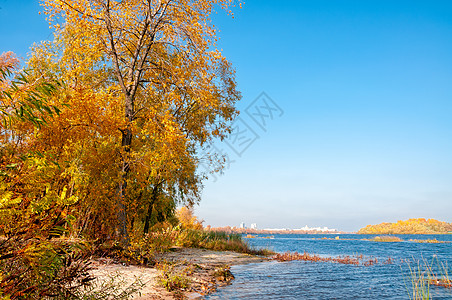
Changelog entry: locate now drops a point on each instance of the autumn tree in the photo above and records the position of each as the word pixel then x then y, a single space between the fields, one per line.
pixel 146 88
pixel 188 219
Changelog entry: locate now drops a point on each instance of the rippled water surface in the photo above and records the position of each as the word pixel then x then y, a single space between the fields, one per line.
pixel 324 280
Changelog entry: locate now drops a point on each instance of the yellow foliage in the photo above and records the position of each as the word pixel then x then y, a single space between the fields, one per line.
pixel 411 226
pixel 144 88
pixel 187 219
pixel 34 197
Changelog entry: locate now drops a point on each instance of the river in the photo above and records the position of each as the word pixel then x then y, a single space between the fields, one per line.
pixel 328 280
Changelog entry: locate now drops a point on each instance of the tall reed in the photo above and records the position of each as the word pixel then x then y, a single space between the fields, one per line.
pixel 438 273
pixel 418 287
pixel 426 274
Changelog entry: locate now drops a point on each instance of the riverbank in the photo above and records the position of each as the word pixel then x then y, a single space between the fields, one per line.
pixel 194 272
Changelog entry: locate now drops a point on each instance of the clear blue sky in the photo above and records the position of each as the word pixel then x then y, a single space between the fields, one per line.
pixel 366 93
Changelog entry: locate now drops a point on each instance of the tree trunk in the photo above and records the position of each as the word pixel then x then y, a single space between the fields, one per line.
pixel 151 204
pixel 125 168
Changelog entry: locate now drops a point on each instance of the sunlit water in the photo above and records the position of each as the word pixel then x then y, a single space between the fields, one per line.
pixel 326 280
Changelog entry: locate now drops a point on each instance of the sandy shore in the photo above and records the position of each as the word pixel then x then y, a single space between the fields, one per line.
pixel 203 268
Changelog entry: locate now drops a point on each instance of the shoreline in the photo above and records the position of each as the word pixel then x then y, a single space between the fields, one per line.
pixel 205 270
pixel 189 272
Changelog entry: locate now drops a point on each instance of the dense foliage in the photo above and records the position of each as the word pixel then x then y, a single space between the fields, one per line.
pixel 144 91
pixel 33 205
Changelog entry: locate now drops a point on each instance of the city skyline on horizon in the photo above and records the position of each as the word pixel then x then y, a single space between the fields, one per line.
pixel 243 225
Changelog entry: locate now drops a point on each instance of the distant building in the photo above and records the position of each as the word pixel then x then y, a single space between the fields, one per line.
pixel 319 229
pixel 242 225
pixel 253 226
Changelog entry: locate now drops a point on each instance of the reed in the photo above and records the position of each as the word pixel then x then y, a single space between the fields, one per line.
pixel 386 239
pixel 218 241
pixel 357 260
pixel 438 273
pixel 425 274
pixel 418 287
pixel 429 241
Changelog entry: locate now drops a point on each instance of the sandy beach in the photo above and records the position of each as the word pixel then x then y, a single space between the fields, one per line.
pixel 205 269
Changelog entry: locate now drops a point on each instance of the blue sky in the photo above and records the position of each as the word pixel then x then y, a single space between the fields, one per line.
pixel 366 130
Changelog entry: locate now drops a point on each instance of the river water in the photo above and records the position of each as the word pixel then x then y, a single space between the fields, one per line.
pixel 327 280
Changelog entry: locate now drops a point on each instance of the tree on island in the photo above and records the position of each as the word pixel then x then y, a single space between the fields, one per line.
pixel 411 226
